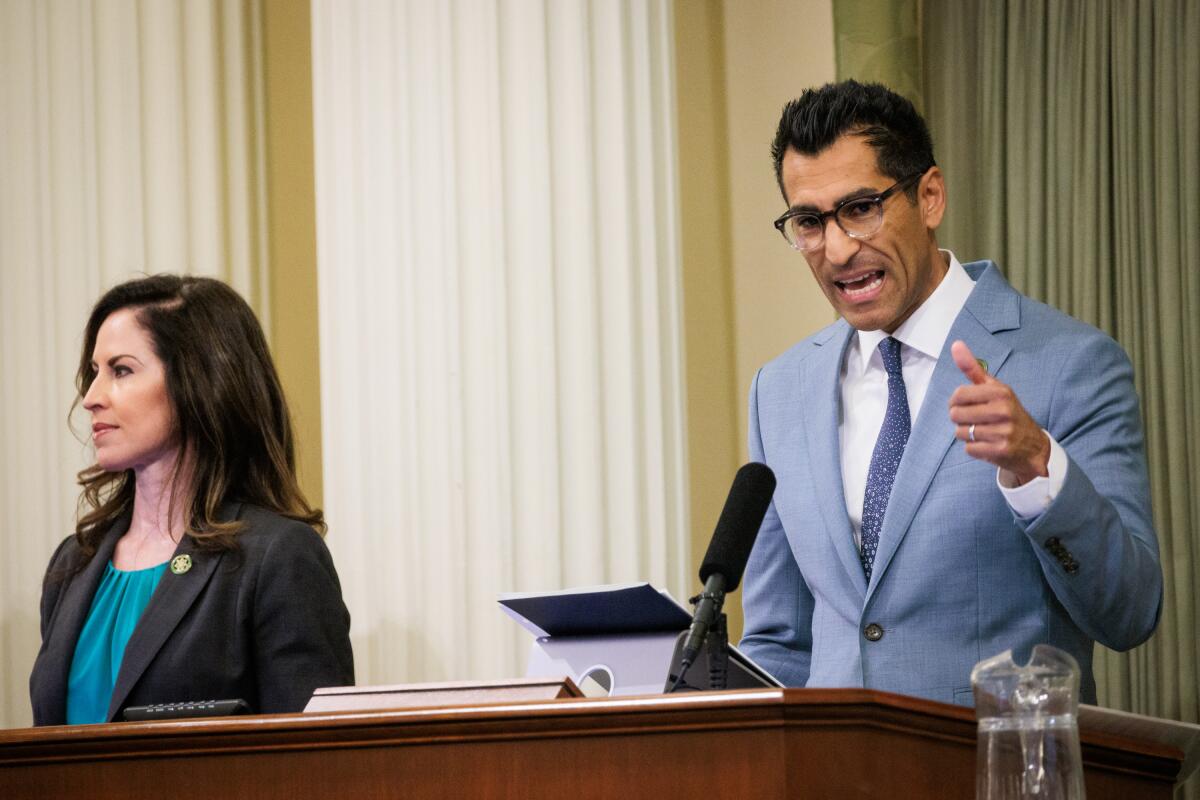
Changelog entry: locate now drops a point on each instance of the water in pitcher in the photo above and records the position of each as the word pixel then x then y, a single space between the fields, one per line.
pixel 1028 736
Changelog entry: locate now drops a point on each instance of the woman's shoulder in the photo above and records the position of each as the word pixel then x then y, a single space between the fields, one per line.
pixel 266 529
pixel 68 547
pixel 67 560
pixel 67 557
pixel 282 551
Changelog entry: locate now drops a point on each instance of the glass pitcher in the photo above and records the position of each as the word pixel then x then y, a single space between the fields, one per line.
pixel 1028 735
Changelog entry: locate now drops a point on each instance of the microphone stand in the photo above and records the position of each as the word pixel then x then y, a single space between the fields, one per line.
pixel 715 648
pixel 716 645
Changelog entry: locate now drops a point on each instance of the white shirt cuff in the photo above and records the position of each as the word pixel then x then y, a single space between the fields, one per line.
pixel 1031 499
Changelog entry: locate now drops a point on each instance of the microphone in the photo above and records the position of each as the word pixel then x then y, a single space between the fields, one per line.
pixel 728 552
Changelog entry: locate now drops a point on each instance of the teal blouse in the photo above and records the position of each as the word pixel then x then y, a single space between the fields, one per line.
pixel 118 605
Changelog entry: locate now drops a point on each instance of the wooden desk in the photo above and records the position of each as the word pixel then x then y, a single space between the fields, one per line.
pixel 770 743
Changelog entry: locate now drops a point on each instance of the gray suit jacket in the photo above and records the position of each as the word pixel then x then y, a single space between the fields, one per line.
pixel 957 577
pixel 265 623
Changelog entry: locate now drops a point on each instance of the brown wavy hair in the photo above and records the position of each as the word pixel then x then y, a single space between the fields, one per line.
pixel 230 416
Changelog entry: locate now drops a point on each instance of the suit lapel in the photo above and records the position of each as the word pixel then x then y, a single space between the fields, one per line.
pixel 171 600
pixel 72 613
pixel 993 306
pixel 820 405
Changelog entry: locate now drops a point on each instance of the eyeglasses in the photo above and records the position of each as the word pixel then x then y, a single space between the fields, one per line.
pixel 859 217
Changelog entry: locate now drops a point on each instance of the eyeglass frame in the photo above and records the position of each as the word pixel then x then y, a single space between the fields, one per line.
pixel 823 216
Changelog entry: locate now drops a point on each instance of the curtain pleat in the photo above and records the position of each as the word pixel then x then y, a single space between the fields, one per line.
pixel 499 272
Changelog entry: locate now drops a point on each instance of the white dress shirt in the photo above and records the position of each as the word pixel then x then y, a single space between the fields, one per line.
pixel 864 396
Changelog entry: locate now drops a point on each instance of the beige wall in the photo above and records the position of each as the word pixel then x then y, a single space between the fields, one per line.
pixel 775 49
pixel 747 296
pixel 714 442
pixel 292 237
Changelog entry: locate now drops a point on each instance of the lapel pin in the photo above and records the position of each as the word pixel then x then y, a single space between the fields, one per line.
pixel 982 364
pixel 181 564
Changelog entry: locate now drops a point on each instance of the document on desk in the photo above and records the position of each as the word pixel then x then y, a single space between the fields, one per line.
pixel 597 611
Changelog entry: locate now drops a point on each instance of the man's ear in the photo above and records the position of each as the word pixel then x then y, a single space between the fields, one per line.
pixel 931 197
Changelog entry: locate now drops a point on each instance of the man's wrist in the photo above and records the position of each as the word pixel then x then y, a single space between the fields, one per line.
pixel 1030 499
pixel 1039 467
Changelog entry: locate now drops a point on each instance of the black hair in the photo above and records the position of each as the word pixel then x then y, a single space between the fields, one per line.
pixel 887 121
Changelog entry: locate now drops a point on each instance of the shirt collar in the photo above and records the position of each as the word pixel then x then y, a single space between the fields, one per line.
pixel 927 328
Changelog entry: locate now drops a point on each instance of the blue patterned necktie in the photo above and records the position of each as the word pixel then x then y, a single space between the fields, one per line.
pixel 889 448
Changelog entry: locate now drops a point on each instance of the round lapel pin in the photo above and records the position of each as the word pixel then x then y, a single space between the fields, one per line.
pixel 982 364
pixel 181 564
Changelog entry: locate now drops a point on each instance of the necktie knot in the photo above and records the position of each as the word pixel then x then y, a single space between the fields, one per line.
pixel 889 348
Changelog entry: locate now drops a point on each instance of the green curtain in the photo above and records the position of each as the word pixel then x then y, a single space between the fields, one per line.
pixel 879 41
pixel 1069 133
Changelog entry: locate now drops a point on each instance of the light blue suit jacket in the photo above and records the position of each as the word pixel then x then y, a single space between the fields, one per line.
pixel 957 577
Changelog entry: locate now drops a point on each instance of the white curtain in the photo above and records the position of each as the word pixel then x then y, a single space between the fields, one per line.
pixel 128 144
pixel 500 318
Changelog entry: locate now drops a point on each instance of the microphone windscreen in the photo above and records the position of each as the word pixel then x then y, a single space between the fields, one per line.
pixel 747 504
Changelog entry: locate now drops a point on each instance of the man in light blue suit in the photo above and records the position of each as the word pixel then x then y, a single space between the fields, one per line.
pixel 960 468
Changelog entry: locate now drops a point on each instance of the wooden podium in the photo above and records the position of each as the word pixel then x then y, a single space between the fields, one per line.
pixel 768 743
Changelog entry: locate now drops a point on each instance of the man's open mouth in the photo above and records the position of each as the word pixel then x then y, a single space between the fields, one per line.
pixel 862 285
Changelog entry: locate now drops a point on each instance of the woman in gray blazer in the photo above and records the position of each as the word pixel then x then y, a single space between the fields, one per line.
pixel 197 570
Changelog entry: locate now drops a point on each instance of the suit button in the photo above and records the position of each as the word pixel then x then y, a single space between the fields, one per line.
pixel 873 632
